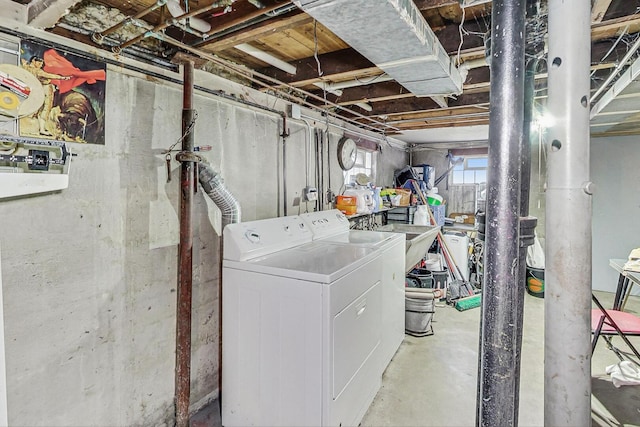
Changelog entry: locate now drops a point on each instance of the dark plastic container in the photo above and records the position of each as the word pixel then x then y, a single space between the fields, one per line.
pixel 535 281
pixel 421 276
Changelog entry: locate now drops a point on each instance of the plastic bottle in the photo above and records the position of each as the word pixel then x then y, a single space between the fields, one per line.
pixel 421 216
pixel 377 200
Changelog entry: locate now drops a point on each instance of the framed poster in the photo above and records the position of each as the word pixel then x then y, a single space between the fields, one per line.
pixel 74 93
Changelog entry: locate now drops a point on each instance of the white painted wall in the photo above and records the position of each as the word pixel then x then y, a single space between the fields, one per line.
pixel 89 273
pixel 616 205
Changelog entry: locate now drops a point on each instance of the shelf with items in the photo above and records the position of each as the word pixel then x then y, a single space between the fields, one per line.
pixel 368 221
pixel 402 214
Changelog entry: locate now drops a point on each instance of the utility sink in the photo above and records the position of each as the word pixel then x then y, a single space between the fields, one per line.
pixel 418 240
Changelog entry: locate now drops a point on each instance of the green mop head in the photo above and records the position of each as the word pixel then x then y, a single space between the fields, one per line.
pixel 468 302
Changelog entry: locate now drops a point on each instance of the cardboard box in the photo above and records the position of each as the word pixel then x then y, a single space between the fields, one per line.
pixel 405 199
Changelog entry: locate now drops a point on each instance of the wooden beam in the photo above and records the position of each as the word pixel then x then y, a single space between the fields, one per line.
pixel 378 99
pixel 615 27
pixel 371 93
pixel 434 4
pixel 439 113
pixel 477 80
pixel 599 9
pixel 451 124
pixel 400 109
pixel 268 27
pixel 246 13
pixel 336 66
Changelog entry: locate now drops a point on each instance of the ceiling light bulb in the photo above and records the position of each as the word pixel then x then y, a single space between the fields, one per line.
pixel 544 121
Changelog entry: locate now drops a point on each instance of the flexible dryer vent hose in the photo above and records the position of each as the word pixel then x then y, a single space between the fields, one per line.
pixel 213 185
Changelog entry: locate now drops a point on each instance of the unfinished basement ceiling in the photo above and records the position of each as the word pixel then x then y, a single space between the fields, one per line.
pixel 315 67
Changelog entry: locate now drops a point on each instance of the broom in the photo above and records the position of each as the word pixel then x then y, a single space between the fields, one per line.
pixel 468 302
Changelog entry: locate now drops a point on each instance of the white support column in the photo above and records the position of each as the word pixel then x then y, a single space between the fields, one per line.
pixel 3 374
pixel 567 365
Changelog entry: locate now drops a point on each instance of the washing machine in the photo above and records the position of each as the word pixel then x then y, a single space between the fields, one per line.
pixel 332 226
pixel 301 327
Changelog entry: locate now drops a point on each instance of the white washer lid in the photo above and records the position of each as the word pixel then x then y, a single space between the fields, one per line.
pixel 365 238
pixel 314 262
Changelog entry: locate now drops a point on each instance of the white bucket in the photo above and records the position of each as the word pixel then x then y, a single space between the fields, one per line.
pixel 433 262
pixel 418 316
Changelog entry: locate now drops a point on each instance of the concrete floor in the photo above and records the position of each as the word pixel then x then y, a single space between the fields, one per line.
pixel 431 381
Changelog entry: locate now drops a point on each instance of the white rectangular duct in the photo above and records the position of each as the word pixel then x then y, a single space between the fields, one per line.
pixel 393 35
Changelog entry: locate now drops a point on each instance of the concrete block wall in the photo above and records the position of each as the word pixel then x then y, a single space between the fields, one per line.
pixel 89 273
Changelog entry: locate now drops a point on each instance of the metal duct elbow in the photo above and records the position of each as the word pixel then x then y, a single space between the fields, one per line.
pixel 213 185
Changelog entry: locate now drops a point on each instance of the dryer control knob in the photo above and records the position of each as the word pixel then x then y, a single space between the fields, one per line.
pixel 252 236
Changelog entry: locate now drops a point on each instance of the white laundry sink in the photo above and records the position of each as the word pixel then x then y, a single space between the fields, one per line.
pixel 418 240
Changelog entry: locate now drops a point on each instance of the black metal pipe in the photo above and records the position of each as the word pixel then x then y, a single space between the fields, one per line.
pixel 185 255
pixel 285 134
pixel 527 223
pixel 321 189
pixel 497 381
pixel 317 172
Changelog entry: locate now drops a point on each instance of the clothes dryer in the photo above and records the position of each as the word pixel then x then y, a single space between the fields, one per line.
pixel 301 327
pixel 332 226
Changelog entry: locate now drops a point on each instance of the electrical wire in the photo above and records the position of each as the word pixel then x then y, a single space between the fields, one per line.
pixel 460 31
pixel 373 79
pixel 621 37
pixel 315 47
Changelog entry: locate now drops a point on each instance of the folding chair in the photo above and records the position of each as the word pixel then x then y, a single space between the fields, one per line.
pixel 609 323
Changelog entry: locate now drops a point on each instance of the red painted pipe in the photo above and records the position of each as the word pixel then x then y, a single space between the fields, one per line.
pixel 185 257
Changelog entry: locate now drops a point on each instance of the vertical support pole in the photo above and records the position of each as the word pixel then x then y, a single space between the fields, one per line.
pixel 567 351
pixel 285 134
pixel 497 381
pixel 185 256
pixel 528 224
pixel 3 372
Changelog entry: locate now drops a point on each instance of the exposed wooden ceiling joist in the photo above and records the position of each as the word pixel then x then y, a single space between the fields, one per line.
pixel 599 9
pixel 320 58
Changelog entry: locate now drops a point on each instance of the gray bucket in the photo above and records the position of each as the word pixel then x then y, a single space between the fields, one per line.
pixel 418 315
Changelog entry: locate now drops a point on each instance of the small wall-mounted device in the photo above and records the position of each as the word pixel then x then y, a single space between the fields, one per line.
pixel 310 194
pixel 293 111
pixel 30 166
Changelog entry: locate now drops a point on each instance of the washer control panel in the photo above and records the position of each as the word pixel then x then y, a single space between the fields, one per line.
pixel 247 240
pixel 326 223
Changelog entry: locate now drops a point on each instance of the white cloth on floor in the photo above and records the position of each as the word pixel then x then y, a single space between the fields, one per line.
pixel 624 373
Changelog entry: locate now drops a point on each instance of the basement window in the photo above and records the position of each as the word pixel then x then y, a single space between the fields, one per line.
pixel 365 163
pixel 473 170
